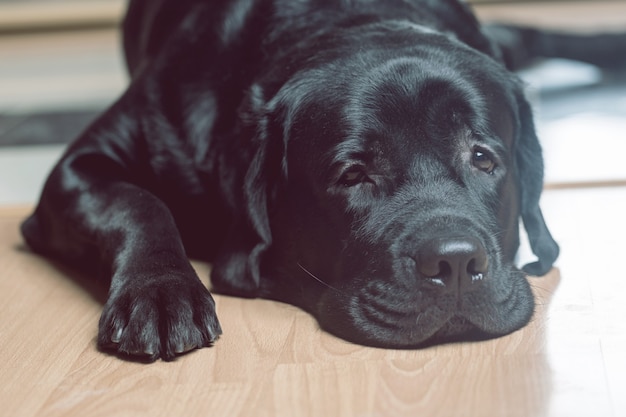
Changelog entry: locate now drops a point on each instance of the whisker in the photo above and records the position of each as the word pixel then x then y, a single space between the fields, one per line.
pixel 309 273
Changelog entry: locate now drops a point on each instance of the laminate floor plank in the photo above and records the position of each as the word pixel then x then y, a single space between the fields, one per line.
pixel 274 360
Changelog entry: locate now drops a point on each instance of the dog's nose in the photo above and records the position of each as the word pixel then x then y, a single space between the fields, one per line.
pixel 453 263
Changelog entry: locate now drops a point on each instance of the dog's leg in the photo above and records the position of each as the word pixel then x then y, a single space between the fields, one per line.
pixel 521 45
pixel 93 213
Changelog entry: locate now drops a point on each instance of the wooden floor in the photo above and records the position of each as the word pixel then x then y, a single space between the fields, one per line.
pixel 273 360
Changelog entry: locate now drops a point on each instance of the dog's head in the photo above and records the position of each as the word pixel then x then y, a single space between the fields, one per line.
pixel 385 192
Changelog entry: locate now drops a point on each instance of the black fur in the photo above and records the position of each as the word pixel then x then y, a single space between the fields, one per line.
pixel 366 160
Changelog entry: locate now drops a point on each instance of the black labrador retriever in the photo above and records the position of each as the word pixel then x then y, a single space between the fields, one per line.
pixel 365 160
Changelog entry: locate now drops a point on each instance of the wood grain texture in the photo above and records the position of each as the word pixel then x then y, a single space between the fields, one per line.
pixel 580 15
pixel 59 14
pixel 273 360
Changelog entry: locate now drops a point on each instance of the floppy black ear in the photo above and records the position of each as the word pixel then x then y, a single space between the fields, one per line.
pixel 237 268
pixel 529 162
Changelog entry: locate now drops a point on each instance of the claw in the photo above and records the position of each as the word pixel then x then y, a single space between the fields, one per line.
pixel 117 336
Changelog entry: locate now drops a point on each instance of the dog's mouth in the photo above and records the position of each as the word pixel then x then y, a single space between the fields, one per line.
pixel 392 315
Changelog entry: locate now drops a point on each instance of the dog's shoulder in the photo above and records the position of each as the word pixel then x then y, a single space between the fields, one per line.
pixel 151 27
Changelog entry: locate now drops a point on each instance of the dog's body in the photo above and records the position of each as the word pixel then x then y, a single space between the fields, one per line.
pixel 365 160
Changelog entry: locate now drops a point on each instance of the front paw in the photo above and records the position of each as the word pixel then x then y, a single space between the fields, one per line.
pixel 162 318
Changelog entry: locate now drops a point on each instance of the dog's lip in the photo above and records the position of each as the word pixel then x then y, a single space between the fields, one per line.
pixel 383 322
pixel 428 327
pixel 413 330
pixel 397 314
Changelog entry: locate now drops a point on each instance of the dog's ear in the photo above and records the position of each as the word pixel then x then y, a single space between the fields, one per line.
pixel 529 161
pixel 237 268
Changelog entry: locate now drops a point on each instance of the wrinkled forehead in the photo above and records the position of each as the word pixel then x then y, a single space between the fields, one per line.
pixel 427 103
pixel 407 104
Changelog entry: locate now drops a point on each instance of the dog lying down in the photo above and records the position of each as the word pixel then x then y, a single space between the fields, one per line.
pixel 367 161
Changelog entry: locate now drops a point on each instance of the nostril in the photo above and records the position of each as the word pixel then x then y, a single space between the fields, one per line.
pixel 445 269
pixel 433 267
pixel 436 274
pixel 478 266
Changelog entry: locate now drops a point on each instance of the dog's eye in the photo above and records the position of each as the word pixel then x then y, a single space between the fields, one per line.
pixel 353 176
pixel 483 161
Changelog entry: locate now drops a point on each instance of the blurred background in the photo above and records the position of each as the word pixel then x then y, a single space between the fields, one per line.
pixel 61 65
